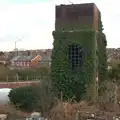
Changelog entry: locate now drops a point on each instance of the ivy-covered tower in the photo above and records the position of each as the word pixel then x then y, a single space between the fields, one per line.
pixel 79 55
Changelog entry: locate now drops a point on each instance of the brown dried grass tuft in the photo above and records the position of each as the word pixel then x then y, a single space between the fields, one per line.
pixel 67 110
pixel 76 111
pixel 11 111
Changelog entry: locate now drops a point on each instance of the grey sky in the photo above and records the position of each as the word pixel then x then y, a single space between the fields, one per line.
pixel 33 22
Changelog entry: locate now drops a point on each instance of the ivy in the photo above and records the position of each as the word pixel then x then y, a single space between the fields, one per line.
pixel 102 66
pixel 70 82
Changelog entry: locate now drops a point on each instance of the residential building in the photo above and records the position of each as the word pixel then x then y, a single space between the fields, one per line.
pixel 26 61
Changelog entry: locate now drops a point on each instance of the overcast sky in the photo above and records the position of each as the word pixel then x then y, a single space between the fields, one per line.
pixel 32 22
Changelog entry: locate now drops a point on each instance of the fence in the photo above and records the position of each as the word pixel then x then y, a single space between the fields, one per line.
pixel 22 78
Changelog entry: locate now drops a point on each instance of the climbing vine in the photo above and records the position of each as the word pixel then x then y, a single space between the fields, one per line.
pixel 102 67
pixel 73 83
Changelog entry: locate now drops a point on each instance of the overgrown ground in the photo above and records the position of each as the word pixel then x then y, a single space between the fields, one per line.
pixel 68 111
pixel 82 111
pixel 12 113
pixel 103 109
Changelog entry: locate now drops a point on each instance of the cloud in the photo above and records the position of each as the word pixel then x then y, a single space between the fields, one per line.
pixel 35 20
pixel 22 1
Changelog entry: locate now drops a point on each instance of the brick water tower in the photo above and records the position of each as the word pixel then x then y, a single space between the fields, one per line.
pixel 78 55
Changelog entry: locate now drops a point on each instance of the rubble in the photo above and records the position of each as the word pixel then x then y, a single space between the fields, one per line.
pixel 3 116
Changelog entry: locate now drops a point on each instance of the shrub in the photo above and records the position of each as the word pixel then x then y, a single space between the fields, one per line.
pixel 25 98
pixel 36 97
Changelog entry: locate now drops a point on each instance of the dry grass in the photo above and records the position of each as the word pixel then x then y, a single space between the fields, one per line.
pixel 12 112
pixel 78 111
pixel 68 111
pixel 64 111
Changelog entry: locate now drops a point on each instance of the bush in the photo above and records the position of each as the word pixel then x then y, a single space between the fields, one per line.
pixel 26 98
pixel 33 98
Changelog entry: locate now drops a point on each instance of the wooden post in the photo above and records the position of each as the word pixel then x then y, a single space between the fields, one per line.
pixel 97 87
pixel 7 79
pixel 61 96
pixel 15 78
pixel 77 116
pixel 27 78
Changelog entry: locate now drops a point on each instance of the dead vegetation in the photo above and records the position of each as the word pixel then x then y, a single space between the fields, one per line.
pixel 80 111
pixel 68 111
pixel 11 112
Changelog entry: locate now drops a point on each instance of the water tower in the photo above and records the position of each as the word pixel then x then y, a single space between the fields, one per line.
pixel 79 50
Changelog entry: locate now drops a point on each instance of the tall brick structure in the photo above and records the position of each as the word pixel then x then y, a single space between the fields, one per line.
pixel 76 53
pixel 76 17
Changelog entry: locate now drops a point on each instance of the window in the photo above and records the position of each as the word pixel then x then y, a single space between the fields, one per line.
pixel 75 56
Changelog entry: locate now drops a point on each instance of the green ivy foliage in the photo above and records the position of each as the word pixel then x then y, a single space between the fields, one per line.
pixel 102 66
pixel 73 83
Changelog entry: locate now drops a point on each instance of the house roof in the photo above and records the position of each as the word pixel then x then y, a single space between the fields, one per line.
pixel 38 57
pixel 15 58
pixel 44 58
pixel 22 58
